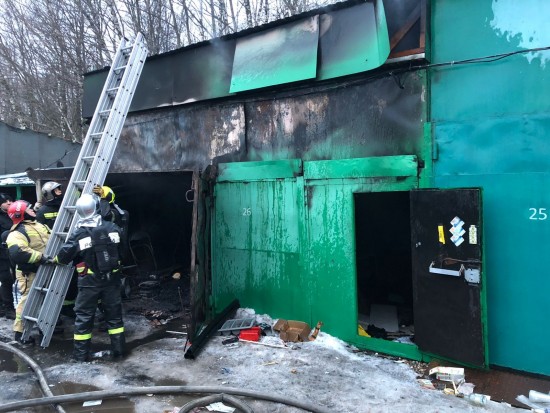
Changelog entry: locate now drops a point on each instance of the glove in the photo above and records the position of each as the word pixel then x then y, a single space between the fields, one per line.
pixel 46 260
pixel 37 206
pixel 98 190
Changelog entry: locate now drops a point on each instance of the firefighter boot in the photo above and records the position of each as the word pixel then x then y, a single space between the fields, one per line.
pixel 81 350
pixel 118 344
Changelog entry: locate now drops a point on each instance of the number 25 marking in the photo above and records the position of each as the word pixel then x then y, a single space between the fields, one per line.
pixel 538 214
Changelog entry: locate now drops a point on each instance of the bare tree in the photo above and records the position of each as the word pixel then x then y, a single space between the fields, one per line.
pixel 46 46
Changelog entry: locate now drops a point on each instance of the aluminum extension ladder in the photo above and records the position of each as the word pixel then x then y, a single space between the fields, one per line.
pixel 52 281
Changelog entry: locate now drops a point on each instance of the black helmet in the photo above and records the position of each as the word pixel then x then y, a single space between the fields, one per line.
pixel 5 197
pixel 47 190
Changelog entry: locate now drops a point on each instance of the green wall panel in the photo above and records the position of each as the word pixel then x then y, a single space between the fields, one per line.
pixel 353 40
pixel 472 29
pixel 284 54
pixel 331 248
pixel 253 171
pixel 516 266
pixel 381 166
pixel 491 125
pixel 494 146
pixel 256 253
pixel 286 246
pixel 331 256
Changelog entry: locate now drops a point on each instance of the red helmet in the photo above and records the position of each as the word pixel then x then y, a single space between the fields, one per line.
pixel 16 211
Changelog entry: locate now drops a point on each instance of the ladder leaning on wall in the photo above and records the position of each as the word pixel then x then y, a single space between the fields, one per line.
pixel 52 281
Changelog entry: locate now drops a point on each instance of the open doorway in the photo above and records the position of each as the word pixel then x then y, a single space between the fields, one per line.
pixel 160 210
pixel 384 267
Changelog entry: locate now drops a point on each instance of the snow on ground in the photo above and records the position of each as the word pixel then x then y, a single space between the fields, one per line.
pixel 325 372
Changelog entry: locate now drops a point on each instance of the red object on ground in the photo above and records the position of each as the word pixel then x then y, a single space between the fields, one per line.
pixel 251 334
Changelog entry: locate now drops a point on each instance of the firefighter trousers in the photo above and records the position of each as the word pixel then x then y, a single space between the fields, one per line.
pixel 91 289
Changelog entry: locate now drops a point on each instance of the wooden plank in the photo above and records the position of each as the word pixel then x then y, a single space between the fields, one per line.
pixel 411 20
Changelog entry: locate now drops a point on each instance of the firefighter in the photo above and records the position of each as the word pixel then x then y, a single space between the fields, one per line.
pixel 95 242
pixel 6 272
pixel 52 196
pixel 110 211
pixel 26 243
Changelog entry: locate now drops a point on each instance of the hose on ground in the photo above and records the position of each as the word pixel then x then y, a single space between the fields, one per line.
pixel 38 371
pixel 204 401
pixel 140 391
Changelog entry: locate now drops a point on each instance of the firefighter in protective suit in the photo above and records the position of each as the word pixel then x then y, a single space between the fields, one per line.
pixel 26 244
pixel 52 197
pixel 96 243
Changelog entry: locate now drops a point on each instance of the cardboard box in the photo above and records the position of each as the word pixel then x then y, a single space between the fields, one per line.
pixel 290 330
pixel 454 374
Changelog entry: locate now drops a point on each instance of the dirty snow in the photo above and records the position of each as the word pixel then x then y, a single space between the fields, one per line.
pixel 326 372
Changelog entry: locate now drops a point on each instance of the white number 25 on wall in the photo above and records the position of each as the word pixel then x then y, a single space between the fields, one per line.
pixel 538 214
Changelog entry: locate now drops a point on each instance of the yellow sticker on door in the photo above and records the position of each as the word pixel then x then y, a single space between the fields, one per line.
pixel 441 234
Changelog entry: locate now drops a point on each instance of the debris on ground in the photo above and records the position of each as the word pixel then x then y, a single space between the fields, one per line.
pixel 325 372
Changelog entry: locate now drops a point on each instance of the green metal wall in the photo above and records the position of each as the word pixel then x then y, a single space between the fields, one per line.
pixel 491 125
pixel 256 241
pixel 283 233
pixel 284 236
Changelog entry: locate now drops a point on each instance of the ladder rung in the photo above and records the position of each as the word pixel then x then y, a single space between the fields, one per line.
pixel 96 136
pixel 105 113
pixel 120 68
pixel 112 92
pixel 33 319
pixel 70 208
pixel 61 234
pixel 88 159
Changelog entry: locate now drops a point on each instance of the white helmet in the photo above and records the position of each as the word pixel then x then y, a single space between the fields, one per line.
pixel 48 188
pixel 87 205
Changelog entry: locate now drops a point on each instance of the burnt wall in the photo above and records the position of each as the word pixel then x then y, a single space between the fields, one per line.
pixel 338 121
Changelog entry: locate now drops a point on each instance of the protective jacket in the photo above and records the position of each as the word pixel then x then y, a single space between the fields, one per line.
pixel 95 242
pixel 26 242
pixel 26 245
pixel 47 213
pixel 97 247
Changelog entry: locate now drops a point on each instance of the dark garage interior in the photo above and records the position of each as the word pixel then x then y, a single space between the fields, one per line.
pixel 384 269
pixel 160 211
